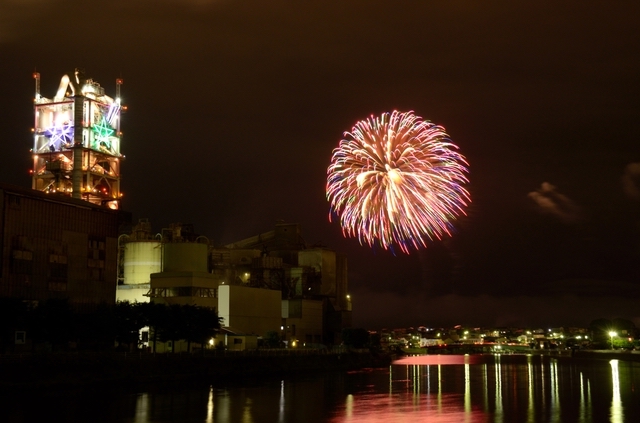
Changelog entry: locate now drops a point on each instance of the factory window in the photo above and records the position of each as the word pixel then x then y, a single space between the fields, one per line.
pixel 20 337
pixel 58 270
pixel 205 292
pixel 184 291
pixel 22 262
pixel 57 285
pixel 57 258
pixel 97 246
pixel 181 291
pixel 96 257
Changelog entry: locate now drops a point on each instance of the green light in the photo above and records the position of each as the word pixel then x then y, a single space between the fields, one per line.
pixel 103 131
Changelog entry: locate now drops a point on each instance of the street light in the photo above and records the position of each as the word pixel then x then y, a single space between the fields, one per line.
pixel 611 335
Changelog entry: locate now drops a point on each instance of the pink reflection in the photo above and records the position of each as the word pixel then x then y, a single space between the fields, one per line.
pixel 436 359
pixel 395 408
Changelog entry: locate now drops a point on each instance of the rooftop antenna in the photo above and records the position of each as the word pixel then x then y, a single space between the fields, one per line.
pixel 119 82
pixel 36 76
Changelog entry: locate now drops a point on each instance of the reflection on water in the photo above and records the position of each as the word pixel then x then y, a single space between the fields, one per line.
pixel 617 416
pixel 460 389
pixel 502 388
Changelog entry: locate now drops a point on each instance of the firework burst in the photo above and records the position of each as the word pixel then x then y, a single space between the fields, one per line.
pixel 397 180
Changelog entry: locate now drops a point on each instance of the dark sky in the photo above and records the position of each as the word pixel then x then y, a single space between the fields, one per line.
pixel 235 107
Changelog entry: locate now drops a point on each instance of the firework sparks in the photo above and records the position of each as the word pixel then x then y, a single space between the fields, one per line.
pixel 397 180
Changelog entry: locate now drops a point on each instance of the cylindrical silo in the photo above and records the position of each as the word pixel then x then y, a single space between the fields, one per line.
pixel 141 259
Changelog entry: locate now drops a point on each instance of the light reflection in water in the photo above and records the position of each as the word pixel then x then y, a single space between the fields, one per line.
pixel 497 389
pixel 485 385
pixel 439 388
pixel 617 416
pixel 142 408
pixel 224 407
pixel 543 387
pixel 415 370
pixel 210 406
pixel 460 389
pixel 467 390
pixel 349 406
pixel 428 378
pixel 498 375
pixel 585 399
pixel 530 409
pixel 281 403
pixel 555 402
pixel 246 416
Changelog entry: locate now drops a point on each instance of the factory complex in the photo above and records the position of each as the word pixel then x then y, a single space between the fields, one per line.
pixel 68 238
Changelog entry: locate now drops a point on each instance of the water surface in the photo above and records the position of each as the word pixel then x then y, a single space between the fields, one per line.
pixel 435 388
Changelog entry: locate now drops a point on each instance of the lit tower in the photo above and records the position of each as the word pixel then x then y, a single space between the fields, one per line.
pixel 76 148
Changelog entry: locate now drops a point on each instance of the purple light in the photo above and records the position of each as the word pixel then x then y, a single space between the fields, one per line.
pixel 59 136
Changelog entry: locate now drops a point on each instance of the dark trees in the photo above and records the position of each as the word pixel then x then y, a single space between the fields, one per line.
pixel 52 321
pixel 13 316
pixel 54 324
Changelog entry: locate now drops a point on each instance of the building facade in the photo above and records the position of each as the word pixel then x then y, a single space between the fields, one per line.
pixel 271 282
pixel 312 281
pixel 55 246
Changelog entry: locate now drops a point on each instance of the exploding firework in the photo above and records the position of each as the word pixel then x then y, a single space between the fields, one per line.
pixel 397 180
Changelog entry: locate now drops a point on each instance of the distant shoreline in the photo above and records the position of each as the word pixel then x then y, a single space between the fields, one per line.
pixel 608 355
pixel 578 354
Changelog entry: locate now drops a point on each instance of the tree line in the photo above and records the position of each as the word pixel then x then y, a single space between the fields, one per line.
pixel 55 325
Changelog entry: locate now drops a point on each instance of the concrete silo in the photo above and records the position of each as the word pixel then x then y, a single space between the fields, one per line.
pixel 140 255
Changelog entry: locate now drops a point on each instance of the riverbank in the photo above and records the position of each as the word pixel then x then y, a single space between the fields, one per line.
pixel 34 371
pixel 623 355
pixel 619 354
pixel 607 355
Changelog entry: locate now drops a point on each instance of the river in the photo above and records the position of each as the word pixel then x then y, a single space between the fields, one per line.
pixel 429 388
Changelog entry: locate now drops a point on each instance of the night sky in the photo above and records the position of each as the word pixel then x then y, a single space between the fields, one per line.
pixel 234 108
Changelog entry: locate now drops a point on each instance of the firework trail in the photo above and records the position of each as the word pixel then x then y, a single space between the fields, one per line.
pixel 397 180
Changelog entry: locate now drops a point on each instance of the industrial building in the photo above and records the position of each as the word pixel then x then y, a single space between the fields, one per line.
pixel 171 268
pixel 66 238
pixel 142 250
pixel 312 280
pixel 59 239
pixel 272 282
pixel 56 246
pixel 76 144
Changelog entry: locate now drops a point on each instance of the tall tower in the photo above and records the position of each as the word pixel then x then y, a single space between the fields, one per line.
pixel 76 147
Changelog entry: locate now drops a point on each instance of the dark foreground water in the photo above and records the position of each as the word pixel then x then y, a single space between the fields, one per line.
pixel 460 389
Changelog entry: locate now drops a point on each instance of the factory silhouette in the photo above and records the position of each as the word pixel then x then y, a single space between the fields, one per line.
pixel 68 238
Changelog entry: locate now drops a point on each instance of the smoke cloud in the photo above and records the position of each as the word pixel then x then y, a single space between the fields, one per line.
pixel 552 202
pixel 631 181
